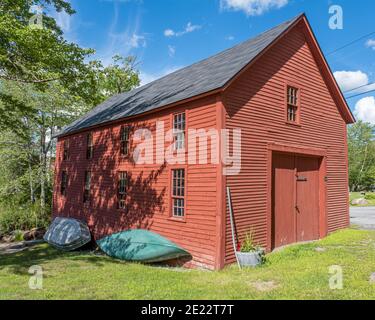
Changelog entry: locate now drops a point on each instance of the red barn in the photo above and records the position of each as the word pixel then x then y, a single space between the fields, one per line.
pixel 279 101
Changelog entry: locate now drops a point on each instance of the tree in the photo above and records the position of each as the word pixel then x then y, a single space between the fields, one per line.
pixel 36 55
pixel 52 108
pixel 40 55
pixel 30 54
pixel 118 77
pixel 361 144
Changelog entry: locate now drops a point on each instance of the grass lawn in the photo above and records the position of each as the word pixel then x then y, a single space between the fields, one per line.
pixel 297 272
pixel 358 195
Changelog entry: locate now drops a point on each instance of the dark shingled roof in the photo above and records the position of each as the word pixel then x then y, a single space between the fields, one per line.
pixel 202 77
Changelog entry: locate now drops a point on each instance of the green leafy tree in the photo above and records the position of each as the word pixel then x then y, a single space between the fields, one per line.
pixel 361 145
pixel 118 77
pixel 52 108
pixel 36 54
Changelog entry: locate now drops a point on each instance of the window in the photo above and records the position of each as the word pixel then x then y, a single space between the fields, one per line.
pixel 86 192
pixel 178 193
pixel 179 122
pixel 90 147
pixel 64 183
pixel 66 150
pixel 292 110
pixel 122 189
pixel 124 138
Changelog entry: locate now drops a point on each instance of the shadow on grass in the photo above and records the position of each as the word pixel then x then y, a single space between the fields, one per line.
pixel 20 262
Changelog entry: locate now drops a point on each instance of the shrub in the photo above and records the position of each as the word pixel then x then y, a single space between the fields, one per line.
pixel 18 236
pixel 370 196
pixel 16 217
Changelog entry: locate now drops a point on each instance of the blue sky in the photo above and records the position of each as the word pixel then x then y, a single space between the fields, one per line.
pixel 166 35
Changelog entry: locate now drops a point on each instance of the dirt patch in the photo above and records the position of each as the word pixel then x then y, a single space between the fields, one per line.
pixel 265 286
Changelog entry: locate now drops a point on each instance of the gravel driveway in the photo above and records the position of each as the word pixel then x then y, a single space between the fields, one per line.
pixel 364 217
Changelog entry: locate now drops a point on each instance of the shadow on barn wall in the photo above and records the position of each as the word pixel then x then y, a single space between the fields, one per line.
pixel 102 213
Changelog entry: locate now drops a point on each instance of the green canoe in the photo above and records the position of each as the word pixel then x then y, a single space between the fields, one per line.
pixel 140 246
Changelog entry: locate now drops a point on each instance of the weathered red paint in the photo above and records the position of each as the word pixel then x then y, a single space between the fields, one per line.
pixel 255 101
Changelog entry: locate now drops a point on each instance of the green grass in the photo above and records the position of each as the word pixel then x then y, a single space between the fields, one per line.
pixel 297 272
pixel 370 197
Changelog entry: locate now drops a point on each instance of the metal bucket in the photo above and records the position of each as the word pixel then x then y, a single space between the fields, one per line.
pixel 250 259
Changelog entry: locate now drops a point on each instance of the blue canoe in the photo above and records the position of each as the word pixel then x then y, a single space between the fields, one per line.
pixel 140 246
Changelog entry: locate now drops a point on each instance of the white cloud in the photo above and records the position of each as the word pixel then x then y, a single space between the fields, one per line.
pixel 252 7
pixel 169 33
pixel 229 38
pixel 188 29
pixel 71 25
pixel 191 28
pixel 171 51
pixel 64 21
pixel 370 44
pixel 349 80
pixel 365 110
pixel 149 77
pixel 122 38
pixel 136 41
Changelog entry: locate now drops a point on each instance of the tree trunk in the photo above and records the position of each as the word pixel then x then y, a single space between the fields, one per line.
pixel 359 178
pixel 43 163
pixel 31 183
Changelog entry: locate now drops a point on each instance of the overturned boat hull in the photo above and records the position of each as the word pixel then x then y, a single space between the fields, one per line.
pixel 141 246
pixel 67 234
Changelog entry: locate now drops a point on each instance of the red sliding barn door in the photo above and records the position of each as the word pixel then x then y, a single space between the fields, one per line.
pixel 295 194
pixel 307 209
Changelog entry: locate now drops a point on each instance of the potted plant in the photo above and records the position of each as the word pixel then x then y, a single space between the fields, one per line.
pixel 249 254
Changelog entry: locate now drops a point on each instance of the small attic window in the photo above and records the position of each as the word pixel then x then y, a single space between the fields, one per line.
pixel 292 104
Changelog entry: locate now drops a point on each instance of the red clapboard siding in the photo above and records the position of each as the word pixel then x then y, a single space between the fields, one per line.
pixel 150 200
pixel 255 102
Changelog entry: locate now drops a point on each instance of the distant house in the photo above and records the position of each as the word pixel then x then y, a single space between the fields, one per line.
pixel 292 184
